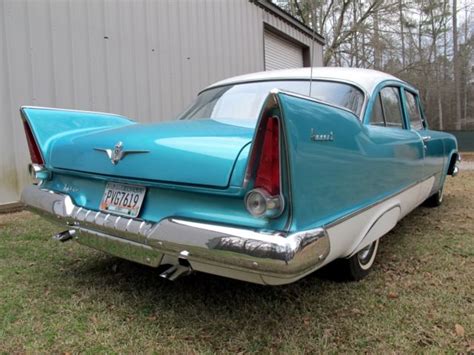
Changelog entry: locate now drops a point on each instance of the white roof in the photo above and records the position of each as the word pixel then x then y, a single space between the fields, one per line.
pixel 366 79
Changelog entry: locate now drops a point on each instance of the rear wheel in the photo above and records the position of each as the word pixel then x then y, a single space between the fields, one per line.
pixel 358 266
pixel 436 199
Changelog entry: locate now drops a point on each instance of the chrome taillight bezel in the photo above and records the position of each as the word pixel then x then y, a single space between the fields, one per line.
pixel 273 205
pixel 38 173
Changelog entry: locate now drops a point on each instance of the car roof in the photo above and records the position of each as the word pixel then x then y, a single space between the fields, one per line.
pixel 367 79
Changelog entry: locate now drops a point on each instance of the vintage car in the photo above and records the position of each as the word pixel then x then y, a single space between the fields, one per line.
pixel 264 178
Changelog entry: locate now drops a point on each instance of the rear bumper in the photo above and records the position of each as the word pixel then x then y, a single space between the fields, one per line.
pixel 267 258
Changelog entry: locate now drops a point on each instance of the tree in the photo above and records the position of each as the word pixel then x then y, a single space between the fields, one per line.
pixel 456 66
pixel 416 40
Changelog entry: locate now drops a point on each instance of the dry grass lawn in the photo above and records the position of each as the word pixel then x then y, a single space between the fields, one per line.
pixel 65 298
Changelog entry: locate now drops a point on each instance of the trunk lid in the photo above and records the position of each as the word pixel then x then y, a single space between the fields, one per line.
pixel 198 152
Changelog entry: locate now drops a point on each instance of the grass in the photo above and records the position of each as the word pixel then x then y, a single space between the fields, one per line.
pixel 65 298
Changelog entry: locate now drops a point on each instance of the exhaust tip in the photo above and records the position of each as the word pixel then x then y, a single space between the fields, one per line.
pixel 176 271
pixel 65 236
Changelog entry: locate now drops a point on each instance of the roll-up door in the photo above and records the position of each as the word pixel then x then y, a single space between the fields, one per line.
pixel 281 53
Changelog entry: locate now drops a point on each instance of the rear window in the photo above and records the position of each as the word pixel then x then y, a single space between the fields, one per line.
pixel 244 101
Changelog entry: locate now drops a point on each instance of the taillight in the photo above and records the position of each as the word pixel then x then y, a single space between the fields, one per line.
pixel 35 153
pixel 37 170
pixel 266 199
pixel 267 175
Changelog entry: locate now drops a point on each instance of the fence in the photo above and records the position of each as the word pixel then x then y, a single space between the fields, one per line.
pixel 465 140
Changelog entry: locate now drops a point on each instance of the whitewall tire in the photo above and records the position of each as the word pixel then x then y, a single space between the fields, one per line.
pixel 358 266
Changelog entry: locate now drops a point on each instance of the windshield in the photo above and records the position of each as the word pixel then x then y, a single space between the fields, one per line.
pixel 244 101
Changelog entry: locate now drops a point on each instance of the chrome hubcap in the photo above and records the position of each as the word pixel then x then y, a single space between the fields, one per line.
pixel 364 254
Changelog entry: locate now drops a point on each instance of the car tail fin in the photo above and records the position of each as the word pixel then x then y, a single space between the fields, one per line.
pixel 264 169
pixel 43 125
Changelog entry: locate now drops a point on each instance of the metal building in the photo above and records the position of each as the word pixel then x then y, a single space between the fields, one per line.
pixel 146 59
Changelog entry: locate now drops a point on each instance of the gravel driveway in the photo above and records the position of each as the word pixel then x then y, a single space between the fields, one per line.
pixel 467 165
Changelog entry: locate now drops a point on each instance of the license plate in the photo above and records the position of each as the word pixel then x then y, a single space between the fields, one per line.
pixel 122 199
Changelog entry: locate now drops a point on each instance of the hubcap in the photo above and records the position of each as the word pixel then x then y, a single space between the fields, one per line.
pixel 365 254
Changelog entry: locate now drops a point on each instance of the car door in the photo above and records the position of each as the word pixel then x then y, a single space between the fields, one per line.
pixel 397 150
pixel 433 148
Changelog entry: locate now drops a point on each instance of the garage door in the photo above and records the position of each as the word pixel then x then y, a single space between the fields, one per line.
pixel 281 53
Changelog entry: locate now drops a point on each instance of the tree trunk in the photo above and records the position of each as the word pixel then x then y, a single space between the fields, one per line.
pixel 355 38
pixel 377 49
pixel 445 40
pixel 436 66
pixel 457 93
pixel 465 64
pixel 402 35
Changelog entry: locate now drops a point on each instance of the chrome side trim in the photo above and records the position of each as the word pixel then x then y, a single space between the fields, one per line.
pixel 245 254
pixel 359 211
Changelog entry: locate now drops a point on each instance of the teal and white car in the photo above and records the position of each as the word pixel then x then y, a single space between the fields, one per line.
pixel 264 178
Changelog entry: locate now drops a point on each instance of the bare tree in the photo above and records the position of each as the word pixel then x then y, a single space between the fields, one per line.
pixel 402 34
pixel 417 40
pixel 456 66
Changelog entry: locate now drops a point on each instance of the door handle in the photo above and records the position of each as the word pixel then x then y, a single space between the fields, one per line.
pixel 426 139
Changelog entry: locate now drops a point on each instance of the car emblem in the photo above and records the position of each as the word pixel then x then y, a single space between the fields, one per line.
pixel 316 137
pixel 117 154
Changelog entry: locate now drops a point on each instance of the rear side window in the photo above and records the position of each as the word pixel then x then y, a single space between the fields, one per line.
pixel 391 107
pixel 377 113
pixel 414 111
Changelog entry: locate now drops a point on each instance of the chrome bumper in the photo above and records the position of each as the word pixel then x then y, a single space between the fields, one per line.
pixel 266 258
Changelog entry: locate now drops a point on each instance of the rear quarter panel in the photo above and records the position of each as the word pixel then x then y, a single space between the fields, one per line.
pixel 362 165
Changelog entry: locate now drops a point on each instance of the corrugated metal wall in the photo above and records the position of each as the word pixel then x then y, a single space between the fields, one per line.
pixel 145 59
